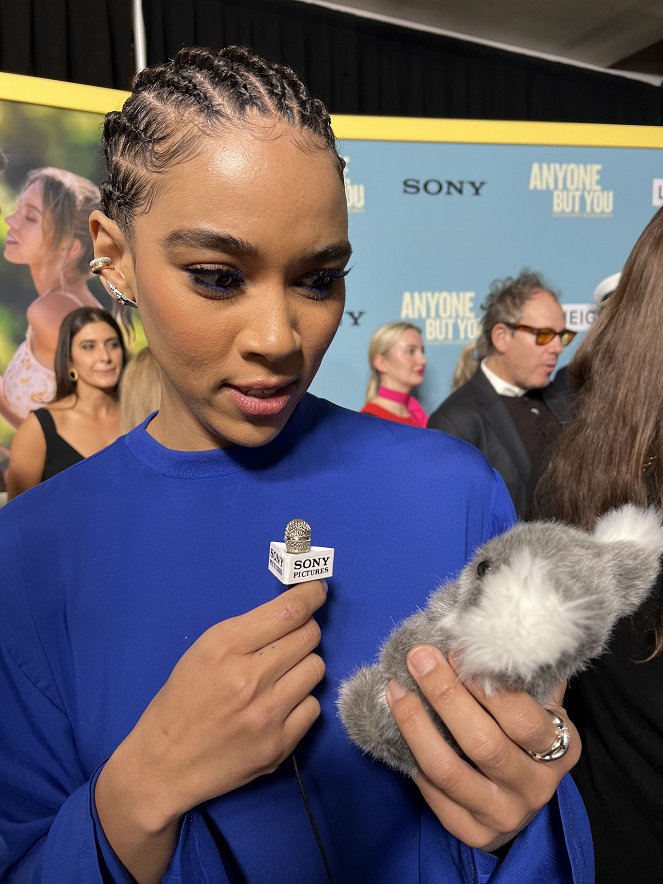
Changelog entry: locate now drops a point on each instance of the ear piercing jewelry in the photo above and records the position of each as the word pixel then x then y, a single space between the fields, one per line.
pixel 99 264
pixel 117 295
pixel 73 375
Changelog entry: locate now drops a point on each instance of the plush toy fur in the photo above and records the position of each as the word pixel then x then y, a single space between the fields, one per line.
pixel 530 610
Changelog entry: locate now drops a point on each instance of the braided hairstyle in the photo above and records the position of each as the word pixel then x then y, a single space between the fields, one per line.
pixel 174 104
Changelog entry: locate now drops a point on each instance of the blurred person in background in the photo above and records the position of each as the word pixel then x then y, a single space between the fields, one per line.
pixel 48 233
pixel 468 362
pixel 140 390
pixel 612 454
pixel 84 416
pixel 505 410
pixel 397 361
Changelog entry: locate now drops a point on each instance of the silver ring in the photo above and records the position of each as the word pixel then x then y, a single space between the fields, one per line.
pixel 560 744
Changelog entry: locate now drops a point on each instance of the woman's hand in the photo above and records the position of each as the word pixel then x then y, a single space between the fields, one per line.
pixel 235 705
pixel 487 805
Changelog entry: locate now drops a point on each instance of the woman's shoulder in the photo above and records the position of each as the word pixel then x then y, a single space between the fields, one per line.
pixel 383 438
pixel 57 302
pixel 64 404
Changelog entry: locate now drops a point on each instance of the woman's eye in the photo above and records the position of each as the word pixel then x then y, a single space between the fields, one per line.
pixel 321 283
pixel 217 282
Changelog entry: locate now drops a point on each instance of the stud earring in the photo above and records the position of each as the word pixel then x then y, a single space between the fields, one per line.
pixel 98 264
pixel 73 375
pixel 117 295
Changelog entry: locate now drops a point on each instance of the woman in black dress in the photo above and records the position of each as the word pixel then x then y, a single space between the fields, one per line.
pixel 84 417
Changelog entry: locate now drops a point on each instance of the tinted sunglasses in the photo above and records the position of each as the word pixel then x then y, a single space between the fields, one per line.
pixel 545 335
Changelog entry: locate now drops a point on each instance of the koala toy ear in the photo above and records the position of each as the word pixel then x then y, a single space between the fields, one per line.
pixel 634 524
pixel 633 538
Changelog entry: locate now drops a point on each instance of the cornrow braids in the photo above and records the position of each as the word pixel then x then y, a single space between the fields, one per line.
pixel 175 103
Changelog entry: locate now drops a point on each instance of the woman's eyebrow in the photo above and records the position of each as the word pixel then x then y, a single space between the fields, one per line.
pixel 333 252
pixel 208 239
pixel 216 241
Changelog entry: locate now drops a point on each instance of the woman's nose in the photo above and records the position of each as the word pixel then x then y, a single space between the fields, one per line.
pixel 270 331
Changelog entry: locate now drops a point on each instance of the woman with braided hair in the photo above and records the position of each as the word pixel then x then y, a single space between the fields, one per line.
pixel 154 690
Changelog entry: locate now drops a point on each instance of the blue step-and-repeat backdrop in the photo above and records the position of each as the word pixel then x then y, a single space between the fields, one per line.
pixel 438 210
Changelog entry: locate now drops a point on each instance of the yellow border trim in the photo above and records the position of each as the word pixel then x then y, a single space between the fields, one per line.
pixel 495 132
pixel 55 93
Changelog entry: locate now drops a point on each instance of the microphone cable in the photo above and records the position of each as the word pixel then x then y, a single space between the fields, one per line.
pixel 311 818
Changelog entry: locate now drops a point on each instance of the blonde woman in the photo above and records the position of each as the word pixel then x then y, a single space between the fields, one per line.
pixel 397 360
pixel 48 233
pixel 140 390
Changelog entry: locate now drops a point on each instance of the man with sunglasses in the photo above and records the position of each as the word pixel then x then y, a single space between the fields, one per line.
pixel 507 409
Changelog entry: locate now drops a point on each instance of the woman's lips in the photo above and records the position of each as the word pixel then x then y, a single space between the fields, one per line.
pixel 260 400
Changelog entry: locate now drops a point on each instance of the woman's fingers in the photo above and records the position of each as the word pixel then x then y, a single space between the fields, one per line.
pixel 278 617
pixel 486 799
pixel 528 724
pixel 279 656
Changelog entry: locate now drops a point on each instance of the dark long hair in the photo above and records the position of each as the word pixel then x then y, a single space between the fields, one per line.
pixel 613 451
pixel 71 325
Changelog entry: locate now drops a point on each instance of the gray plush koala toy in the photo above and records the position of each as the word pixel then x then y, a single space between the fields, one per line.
pixel 530 610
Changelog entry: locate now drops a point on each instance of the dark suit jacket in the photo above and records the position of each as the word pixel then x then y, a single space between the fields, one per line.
pixel 476 413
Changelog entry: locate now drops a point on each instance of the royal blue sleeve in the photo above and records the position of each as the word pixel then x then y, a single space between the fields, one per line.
pixel 49 829
pixel 502 513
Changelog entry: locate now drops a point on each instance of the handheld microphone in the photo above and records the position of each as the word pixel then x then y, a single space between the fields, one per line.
pixel 295 560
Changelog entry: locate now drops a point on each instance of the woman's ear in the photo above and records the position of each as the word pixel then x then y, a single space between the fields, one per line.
pixel 74 251
pixel 110 242
pixel 379 363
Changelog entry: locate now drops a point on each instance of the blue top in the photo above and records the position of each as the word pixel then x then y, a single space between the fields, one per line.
pixel 113 568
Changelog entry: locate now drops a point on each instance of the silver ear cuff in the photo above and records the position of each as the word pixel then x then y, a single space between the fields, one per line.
pixel 99 264
pixel 117 295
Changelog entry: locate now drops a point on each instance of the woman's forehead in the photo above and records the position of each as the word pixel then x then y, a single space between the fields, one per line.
pixel 245 182
pixel 32 195
pixel 95 329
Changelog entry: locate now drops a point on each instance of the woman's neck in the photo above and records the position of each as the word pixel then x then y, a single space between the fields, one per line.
pixel 48 278
pixel 393 395
pixel 96 402
pixel 394 401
